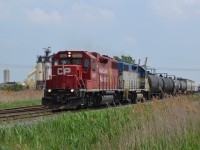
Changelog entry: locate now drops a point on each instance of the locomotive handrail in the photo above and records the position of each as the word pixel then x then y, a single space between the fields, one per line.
pixel 77 80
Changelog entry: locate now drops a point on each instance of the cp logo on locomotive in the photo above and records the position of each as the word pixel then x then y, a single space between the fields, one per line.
pixel 63 71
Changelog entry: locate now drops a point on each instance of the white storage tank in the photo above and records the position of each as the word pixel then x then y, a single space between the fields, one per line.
pixel 39 70
pixel 6 75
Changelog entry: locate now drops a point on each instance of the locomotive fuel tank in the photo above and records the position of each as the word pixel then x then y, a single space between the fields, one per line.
pixel 156 83
pixel 104 99
pixel 168 85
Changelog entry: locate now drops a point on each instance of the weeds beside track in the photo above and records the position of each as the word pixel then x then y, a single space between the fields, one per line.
pixel 169 124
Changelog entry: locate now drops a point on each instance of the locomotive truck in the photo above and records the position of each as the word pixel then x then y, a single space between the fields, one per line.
pixel 87 79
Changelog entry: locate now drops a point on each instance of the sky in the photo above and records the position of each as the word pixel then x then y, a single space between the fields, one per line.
pixel 165 31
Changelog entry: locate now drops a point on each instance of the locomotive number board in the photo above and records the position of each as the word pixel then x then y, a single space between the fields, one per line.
pixel 77 55
pixel 63 55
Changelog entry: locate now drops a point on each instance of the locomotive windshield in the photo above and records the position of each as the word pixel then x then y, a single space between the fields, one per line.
pixel 74 61
pixel 65 61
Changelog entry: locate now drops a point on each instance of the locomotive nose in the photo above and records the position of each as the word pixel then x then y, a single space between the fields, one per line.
pixel 67 77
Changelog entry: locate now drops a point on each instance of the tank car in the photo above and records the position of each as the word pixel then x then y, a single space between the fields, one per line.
pixel 187 85
pixel 156 84
pixel 81 78
pixel 161 85
pixel 177 86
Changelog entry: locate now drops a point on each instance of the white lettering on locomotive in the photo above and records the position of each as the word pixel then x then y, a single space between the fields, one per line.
pixel 63 71
pixel 103 71
pixel 94 75
pixel 103 79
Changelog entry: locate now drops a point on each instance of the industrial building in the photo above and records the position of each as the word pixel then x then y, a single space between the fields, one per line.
pixel 41 72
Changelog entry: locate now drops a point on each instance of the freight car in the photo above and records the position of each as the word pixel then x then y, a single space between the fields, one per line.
pixel 162 85
pixel 86 79
pixel 188 86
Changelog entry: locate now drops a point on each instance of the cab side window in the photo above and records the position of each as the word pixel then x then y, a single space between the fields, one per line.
pixel 86 63
pixel 93 65
pixel 55 62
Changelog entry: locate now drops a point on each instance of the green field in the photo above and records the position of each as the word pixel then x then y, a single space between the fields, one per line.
pixel 167 124
pixel 5 105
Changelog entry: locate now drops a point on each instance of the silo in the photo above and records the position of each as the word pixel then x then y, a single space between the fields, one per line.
pixel 39 70
pixel 6 75
pixel 39 74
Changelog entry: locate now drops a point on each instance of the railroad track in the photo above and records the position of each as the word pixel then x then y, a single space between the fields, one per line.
pixel 31 112
pixel 20 113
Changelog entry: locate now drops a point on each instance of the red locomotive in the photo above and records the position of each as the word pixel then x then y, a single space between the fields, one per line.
pixel 81 78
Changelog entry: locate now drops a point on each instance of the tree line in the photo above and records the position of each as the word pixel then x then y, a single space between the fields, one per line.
pixel 127 59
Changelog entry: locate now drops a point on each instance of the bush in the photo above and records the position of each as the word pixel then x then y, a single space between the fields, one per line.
pixel 12 87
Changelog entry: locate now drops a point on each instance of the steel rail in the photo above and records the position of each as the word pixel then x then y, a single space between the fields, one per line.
pixel 25 108
pixel 23 112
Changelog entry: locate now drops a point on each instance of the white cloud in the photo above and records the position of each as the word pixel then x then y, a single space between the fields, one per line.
pixel 56 12
pixel 176 8
pixel 41 17
pixel 76 13
pixel 91 13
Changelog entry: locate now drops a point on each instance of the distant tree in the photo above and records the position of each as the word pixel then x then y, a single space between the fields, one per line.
pixel 12 87
pixel 117 58
pixel 124 58
pixel 16 87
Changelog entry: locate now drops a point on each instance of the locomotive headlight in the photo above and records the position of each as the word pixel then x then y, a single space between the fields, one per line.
pixel 72 90
pixel 49 90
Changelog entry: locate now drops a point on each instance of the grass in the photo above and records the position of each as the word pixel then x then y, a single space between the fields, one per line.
pixel 25 95
pixel 169 124
pixel 7 105
pixel 20 98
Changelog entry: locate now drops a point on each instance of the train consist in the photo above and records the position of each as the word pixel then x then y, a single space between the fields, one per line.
pixel 86 79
